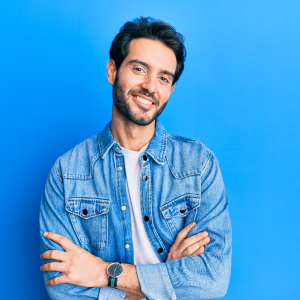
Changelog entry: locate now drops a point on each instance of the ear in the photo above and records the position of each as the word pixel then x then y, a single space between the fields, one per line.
pixel 111 71
pixel 173 87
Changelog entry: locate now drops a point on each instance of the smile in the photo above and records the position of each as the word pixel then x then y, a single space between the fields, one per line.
pixel 143 100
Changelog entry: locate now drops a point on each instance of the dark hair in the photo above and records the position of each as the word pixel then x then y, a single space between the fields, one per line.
pixel 151 29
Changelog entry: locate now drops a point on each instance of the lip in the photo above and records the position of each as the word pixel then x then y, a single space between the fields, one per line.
pixel 143 97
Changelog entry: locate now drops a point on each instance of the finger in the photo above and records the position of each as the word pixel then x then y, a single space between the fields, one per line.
pixel 54 254
pixel 183 234
pixel 57 280
pixel 192 240
pixel 53 266
pixel 206 240
pixel 61 240
pixel 192 248
pixel 199 251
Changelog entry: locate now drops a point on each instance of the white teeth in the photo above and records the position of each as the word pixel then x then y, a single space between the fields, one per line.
pixel 143 100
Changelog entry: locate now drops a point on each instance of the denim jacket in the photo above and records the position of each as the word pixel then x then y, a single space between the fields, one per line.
pixel 180 182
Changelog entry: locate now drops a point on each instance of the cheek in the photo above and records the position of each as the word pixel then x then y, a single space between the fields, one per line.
pixel 130 81
pixel 164 95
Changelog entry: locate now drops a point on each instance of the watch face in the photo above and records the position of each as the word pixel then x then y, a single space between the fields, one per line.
pixel 114 270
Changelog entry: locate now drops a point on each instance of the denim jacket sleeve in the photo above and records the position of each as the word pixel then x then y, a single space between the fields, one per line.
pixel 53 218
pixel 207 275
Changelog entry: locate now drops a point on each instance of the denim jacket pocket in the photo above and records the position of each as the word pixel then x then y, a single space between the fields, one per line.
pixel 176 212
pixel 89 220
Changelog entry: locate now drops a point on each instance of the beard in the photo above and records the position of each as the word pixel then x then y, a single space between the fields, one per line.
pixel 122 105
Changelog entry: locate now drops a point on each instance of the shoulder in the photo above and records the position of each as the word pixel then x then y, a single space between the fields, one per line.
pixel 187 156
pixel 78 162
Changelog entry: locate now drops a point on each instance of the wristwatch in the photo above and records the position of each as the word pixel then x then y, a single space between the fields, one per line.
pixel 114 271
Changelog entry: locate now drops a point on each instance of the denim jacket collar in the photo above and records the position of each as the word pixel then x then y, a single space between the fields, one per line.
pixel 105 140
pixel 156 148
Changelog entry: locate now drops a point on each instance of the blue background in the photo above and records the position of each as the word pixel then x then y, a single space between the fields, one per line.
pixel 239 94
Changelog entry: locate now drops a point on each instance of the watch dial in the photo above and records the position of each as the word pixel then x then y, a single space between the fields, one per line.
pixel 115 270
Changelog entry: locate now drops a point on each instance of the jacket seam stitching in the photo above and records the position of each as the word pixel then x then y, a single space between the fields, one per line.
pixel 56 171
pixel 84 177
pixel 209 159
pixel 172 169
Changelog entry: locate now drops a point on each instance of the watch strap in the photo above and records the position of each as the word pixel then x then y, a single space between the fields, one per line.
pixel 112 282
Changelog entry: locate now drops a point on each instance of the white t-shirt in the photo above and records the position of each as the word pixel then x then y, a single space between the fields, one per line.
pixel 143 251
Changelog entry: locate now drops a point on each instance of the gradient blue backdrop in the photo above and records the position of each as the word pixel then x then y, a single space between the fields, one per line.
pixel 239 95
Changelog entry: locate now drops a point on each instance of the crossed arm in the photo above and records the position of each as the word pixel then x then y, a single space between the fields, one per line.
pixel 206 276
pixel 79 267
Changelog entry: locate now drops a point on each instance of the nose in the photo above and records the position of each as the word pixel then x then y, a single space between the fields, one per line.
pixel 150 83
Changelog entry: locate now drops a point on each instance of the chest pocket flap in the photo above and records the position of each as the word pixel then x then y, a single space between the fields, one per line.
pixel 180 212
pixel 87 208
pixel 181 206
pixel 89 217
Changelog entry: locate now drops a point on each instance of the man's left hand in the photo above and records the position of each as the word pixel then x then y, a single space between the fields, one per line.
pixel 78 266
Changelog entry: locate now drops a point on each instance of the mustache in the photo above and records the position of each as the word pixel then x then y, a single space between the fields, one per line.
pixel 145 93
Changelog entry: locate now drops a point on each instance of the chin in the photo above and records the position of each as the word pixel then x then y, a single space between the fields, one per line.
pixel 141 122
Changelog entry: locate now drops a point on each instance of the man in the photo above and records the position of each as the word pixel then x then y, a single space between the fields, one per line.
pixel 126 213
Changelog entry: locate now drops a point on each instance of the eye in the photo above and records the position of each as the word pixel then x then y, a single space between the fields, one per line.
pixel 139 70
pixel 164 79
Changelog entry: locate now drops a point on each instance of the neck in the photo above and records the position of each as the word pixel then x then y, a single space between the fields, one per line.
pixel 128 134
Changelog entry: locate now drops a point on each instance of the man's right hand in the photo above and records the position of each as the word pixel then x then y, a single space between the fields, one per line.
pixel 192 246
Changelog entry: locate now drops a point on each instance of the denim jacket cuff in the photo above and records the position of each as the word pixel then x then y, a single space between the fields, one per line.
pixel 108 293
pixel 155 281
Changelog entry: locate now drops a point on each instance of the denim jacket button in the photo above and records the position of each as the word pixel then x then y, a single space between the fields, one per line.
pixel 123 207
pixel 160 250
pixel 182 210
pixel 126 246
pixel 145 157
pixel 85 212
pixel 145 178
pixel 120 168
pixel 146 218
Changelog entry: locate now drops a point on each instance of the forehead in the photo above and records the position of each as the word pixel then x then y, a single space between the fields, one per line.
pixel 154 53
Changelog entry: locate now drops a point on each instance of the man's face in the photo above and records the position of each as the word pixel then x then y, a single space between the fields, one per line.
pixel 143 83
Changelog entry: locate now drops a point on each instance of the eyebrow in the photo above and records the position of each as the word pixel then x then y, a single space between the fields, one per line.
pixel 136 61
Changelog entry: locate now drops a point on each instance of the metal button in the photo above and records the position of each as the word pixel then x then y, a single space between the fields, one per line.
pixel 182 210
pixel 120 168
pixel 160 250
pixel 145 157
pixel 123 207
pixel 145 178
pixel 117 148
pixel 85 212
pixel 146 218
pixel 126 246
